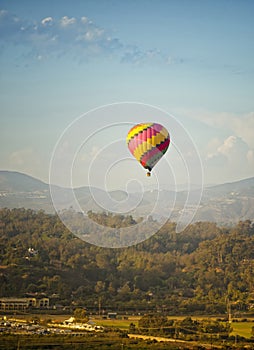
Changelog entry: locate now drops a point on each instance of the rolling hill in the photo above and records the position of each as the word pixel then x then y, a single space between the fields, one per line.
pixel 225 203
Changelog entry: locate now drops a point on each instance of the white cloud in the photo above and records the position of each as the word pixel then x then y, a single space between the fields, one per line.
pixel 241 125
pixel 78 37
pixel 3 13
pixel 231 144
pixel 10 27
pixel 28 161
pixel 135 55
pixel 244 127
pixel 229 159
pixel 228 149
pixel 88 154
pixel 233 148
pixel 94 34
pixel 66 21
pixel 212 145
pixel 47 20
pixel 216 160
pixel 84 20
pixel 24 157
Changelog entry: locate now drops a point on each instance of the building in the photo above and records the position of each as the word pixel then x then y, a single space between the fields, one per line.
pixel 11 304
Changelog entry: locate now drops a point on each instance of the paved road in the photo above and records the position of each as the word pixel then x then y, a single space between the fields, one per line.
pixel 146 337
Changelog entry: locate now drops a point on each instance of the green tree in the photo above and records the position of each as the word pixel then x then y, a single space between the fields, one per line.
pixel 80 315
pixel 154 324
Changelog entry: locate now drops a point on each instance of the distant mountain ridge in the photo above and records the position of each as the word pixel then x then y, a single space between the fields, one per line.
pixel 225 203
pixel 12 181
pixel 234 186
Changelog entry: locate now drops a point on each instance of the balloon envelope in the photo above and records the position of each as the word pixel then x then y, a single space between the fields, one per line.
pixel 148 142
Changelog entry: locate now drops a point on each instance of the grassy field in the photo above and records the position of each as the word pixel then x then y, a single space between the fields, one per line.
pixel 242 329
pixel 119 323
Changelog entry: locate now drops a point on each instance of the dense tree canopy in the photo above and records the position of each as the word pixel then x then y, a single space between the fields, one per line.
pixel 202 269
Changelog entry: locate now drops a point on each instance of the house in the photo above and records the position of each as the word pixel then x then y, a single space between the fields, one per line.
pixel 9 304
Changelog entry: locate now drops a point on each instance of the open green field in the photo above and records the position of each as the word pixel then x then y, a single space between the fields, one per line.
pixel 119 323
pixel 242 329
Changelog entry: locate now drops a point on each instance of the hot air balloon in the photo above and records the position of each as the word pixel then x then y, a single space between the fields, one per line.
pixel 148 142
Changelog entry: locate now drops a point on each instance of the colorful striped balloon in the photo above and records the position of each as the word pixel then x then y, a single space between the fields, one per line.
pixel 148 142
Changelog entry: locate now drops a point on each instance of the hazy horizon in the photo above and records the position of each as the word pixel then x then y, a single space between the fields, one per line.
pixel 180 187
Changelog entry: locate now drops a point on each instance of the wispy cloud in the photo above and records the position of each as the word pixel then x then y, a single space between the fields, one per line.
pixel 228 149
pixel 10 26
pixel 241 125
pixel 66 21
pixel 78 37
pixel 134 55
pixel 27 160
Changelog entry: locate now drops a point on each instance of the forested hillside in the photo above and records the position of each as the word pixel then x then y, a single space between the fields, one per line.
pixel 202 269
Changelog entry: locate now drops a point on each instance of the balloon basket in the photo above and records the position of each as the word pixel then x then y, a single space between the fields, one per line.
pixel 148 174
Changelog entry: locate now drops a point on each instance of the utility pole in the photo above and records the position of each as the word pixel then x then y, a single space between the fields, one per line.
pixel 18 345
pixel 229 312
pixel 99 306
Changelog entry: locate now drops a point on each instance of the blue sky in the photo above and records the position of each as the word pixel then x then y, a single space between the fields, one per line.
pixel 194 59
